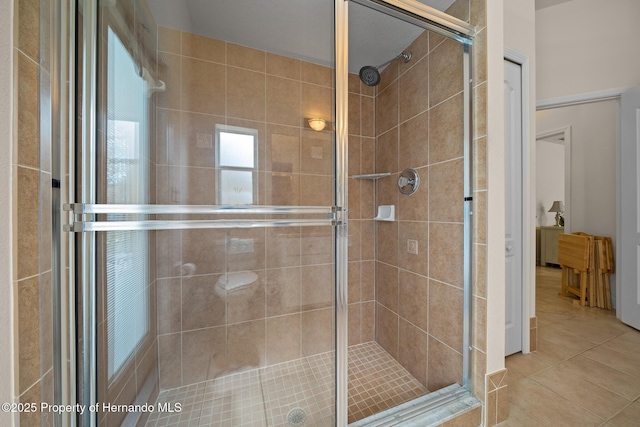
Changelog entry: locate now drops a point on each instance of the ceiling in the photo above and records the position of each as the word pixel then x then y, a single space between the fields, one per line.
pixel 301 29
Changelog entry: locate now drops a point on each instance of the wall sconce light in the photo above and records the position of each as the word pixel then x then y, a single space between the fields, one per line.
pixel 317 124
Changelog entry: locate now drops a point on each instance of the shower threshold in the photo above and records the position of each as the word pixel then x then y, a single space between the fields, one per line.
pixel 301 392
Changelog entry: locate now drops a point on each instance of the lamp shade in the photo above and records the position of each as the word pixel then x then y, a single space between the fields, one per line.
pixel 557 206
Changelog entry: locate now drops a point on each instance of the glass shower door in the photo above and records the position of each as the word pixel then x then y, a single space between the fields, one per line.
pixel 209 214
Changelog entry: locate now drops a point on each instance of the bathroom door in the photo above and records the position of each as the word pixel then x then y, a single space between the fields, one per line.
pixel 210 215
pixel 628 309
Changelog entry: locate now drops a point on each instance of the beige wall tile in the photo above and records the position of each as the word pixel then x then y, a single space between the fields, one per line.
pixel 196 145
pixel 169 40
pixel 170 72
pixel 368 323
pixel 170 360
pixel 353 269
pixel 367 290
pixel 419 47
pixel 283 291
pixel 247 302
pixel 169 305
pixel 414 299
pixel 355 240
pixel 246 344
pixel 354 114
pixel 203 88
pixel 197 349
pixel 445 61
pixel 446 130
pixel 27 246
pixel 245 94
pixel 419 231
pixel 284 247
pixel 368 160
pixel 28 28
pixel 254 260
pixel 316 245
pixel 316 190
pixel 317 331
pixel 355 320
pixel 283 101
pixel 318 290
pixel 282 149
pixel 283 66
pixel 387 330
pixel 205 249
pixel 200 47
pixel 446 253
pixel 317 74
pixel 317 101
pixel 480 106
pixel 387 109
pixel 283 338
pixel 387 152
pixel 354 156
pixel 446 305
pixel 414 142
pixel 28 346
pixel 368 246
pixel 28 97
pixel 414 90
pixel 387 286
pixel 446 191
pixel 445 365
pixel 354 198
pixel 246 57
pixel 202 307
pixel 367 116
pixel 387 242
pixel 317 152
pixel 412 353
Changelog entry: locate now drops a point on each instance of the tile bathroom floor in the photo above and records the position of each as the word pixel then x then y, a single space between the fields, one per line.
pixel 265 396
pixel 586 371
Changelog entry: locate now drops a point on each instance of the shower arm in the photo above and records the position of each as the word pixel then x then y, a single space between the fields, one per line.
pixel 406 56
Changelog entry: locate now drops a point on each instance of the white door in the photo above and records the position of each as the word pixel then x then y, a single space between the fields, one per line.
pixel 628 309
pixel 513 203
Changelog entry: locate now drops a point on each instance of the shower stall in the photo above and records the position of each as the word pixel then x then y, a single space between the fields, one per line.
pixel 269 229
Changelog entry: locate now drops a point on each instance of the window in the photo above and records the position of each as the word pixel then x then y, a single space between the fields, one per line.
pixel 127 252
pixel 236 158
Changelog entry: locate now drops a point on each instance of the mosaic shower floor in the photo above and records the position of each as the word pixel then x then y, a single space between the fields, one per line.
pixel 266 396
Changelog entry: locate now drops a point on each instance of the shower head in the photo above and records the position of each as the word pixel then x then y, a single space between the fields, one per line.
pixel 370 74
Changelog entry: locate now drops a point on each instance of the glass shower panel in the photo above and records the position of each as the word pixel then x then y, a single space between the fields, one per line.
pixel 406 297
pixel 216 283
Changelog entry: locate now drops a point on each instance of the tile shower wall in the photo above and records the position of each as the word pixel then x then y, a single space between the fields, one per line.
pixel 32 209
pixel 361 210
pixel 286 312
pixel 419 296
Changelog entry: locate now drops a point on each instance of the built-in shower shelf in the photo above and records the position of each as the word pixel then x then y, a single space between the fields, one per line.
pixel 372 175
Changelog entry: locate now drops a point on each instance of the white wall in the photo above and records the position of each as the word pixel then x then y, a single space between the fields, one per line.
pixel 6 122
pixel 519 36
pixel 594 130
pixel 549 180
pixel 587 46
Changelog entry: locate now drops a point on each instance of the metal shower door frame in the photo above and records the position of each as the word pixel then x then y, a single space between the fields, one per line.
pixel 85 210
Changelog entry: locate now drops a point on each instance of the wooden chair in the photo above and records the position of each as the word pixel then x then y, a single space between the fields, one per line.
pixel 574 256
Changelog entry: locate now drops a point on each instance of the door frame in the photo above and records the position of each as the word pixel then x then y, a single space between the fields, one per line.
pixel 528 192
pixel 566 134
